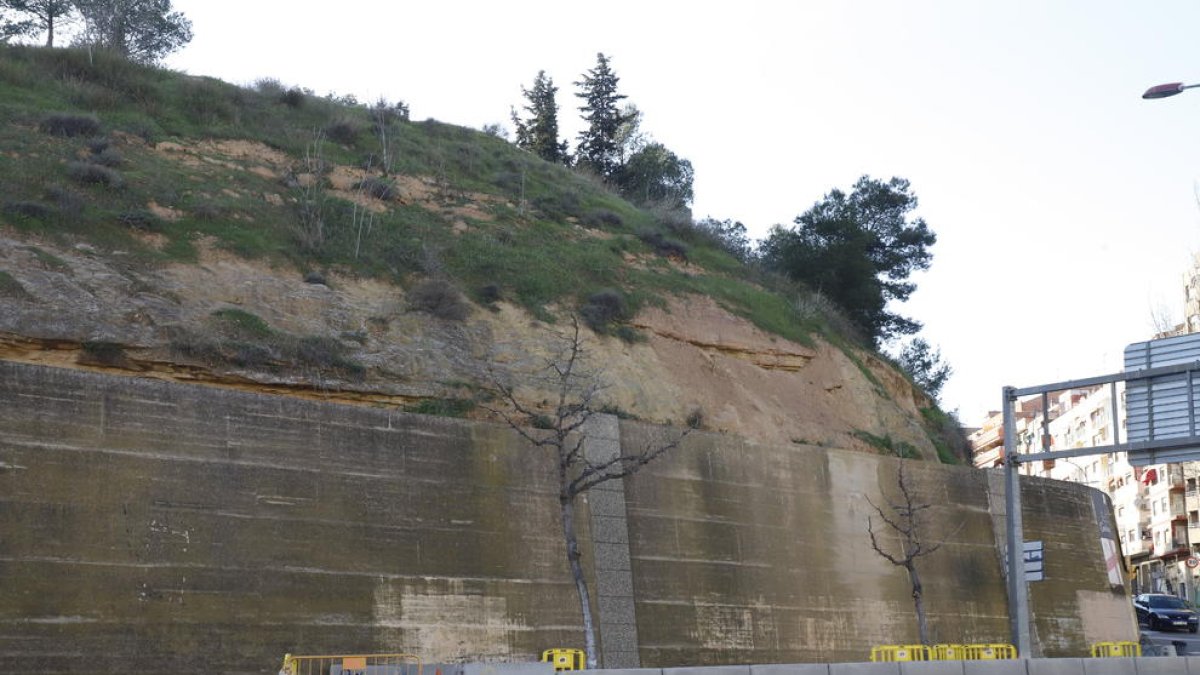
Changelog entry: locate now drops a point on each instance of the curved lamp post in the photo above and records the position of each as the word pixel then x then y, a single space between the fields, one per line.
pixel 1169 89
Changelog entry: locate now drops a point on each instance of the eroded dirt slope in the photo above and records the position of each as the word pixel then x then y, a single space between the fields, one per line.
pixel 697 356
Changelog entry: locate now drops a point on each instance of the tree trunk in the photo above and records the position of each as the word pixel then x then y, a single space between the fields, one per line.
pixel 918 604
pixel 50 30
pixel 573 558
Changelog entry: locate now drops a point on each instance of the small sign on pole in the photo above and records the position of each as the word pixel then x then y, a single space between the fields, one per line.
pixel 1033 556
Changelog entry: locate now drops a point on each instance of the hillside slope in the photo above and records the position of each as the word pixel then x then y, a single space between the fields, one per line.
pixel 175 227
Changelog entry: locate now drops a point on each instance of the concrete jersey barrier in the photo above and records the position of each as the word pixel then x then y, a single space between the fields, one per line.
pixel 1177 665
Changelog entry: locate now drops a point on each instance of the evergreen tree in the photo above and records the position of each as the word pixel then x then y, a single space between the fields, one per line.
pixel 38 15
pixel 140 30
pixel 11 27
pixel 630 137
pixel 858 249
pixel 655 175
pixel 924 364
pixel 599 148
pixel 538 133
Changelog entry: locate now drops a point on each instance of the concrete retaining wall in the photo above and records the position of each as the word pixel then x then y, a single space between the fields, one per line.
pixel 154 527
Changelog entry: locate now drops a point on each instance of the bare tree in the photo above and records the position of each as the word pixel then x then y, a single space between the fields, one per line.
pixel 1162 319
pixel 307 180
pixel 575 388
pixel 905 519
pixel 384 116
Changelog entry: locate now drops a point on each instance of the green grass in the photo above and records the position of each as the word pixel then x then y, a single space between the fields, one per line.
pixel 11 288
pixel 442 407
pixel 530 247
pixel 902 449
pixel 771 312
pixel 946 435
pixel 48 260
pixel 240 324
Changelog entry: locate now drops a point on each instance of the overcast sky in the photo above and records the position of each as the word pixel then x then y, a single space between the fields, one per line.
pixel 1065 205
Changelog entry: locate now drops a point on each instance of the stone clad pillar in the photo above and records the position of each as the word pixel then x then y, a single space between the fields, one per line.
pixel 617 617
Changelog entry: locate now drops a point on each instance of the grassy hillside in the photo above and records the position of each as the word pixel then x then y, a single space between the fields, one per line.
pixel 148 166
pixel 79 135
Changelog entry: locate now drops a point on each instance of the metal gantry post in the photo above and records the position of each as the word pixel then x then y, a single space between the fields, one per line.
pixel 1018 592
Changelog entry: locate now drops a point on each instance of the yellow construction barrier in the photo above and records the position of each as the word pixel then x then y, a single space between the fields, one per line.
pixel 564 659
pixel 990 651
pixel 351 664
pixel 1118 649
pixel 948 652
pixel 900 653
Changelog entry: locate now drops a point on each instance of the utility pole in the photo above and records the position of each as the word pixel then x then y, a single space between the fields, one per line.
pixel 1018 591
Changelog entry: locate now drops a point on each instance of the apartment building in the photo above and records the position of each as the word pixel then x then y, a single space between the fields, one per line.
pixel 1157 508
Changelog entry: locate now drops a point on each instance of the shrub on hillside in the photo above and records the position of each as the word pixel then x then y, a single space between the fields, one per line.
pixel 663 245
pixel 108 157
pixel 439 298
pixel 268 86
pixel 603 308
pixel 379 188
pixel 65 124
pixel 560 205
pixel 30 210
pixel 140 219
pixel 292 98
pixel 490 294
pixel 208 211
pixel 11 288
pixel 342 131
pixel 240 324
pixel 69 202
pixel 327 353
pixel 603 218
pixel 87 173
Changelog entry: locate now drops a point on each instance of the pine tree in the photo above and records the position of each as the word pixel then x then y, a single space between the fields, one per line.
pixel 599 148
pixel 139 30
pixel 538 133
pixel 38 15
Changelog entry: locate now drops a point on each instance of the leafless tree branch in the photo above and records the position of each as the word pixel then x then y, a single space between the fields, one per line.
pixel 575 390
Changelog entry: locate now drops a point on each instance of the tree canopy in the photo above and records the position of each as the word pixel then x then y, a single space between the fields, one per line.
pixel 33 16
pixel 655 175
pixel 538 133
pixel 925 365
pixel 858 249
pixel 599 148
pixel 139 30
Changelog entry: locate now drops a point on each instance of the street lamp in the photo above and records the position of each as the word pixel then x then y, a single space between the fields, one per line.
pixel 1169 89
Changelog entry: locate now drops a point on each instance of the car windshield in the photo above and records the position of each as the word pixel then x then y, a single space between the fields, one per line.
pixel 1165 602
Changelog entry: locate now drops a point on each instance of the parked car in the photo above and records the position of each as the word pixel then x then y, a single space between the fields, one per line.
pixel 1165 612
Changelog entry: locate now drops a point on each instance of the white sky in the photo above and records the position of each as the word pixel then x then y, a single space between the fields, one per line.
pixel 1064 204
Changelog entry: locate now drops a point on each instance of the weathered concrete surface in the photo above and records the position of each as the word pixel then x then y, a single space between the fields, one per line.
pixel 1075 605
pixel 148 527
pixel 154 527
pixel 750 553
